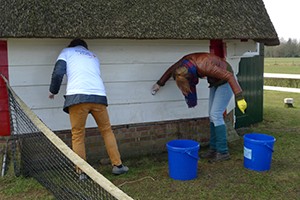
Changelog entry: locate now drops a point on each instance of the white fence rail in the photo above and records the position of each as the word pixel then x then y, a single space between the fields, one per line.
pixel 282 76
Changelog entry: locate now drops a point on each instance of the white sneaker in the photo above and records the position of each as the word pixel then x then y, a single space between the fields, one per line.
pixel 82 176
pixel 120 170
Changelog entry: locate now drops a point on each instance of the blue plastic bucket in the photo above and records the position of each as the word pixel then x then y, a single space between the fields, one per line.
pixel 258 149
pixel 183 159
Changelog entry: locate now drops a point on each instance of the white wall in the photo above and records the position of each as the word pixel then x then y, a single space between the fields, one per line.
pixel 129 69
pixel 235 51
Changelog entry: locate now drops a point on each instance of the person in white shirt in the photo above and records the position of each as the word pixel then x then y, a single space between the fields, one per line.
pixel 85 94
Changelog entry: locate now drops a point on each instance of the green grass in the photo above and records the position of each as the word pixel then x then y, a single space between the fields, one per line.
pixel 282 65
pixel 13 188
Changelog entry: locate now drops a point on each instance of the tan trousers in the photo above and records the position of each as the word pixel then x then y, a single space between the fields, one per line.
pixel 78 115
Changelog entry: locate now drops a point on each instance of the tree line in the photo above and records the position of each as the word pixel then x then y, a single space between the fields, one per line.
pixel 289 48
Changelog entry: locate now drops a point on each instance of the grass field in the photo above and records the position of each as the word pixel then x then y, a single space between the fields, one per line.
pixel 148 178
pixel 285 66
pixel 282 65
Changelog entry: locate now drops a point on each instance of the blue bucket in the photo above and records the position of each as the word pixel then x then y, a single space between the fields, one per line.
pixel 183 159
pixel 258 149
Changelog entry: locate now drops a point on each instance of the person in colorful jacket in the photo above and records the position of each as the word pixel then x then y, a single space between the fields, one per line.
pixel 222 85
pixel 85 94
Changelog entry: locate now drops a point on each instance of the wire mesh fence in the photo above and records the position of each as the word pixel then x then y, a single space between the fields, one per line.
pixel 37 152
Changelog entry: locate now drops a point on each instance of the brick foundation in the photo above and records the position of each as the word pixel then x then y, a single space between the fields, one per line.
pixel 142 139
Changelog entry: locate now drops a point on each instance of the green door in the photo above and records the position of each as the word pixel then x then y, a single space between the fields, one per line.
pixel 250 77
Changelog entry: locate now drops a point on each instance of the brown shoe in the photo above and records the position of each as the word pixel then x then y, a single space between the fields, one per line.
pixel 211 153
pixel 220 157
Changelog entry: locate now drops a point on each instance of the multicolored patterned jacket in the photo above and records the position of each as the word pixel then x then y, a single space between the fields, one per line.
pixel 216 69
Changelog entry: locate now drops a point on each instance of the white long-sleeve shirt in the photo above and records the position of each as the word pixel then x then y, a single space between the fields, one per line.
pixel 83 71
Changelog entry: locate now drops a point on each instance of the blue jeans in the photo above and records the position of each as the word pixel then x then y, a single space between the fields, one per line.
pixel 219 98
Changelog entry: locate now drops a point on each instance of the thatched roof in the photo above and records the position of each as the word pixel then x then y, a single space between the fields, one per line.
pixel 137 19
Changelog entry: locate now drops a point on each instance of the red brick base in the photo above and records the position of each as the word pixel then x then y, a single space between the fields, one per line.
pixel 142 139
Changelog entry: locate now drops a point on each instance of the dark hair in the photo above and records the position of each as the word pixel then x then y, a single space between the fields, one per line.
pixel 78 42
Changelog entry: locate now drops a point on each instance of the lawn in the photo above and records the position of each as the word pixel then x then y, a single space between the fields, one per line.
pixel 282 65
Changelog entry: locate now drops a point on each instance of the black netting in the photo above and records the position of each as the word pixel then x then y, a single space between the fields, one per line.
pixel 36 156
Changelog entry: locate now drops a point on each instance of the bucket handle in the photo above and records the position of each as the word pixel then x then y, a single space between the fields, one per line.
pixel 269 147
pixel 189 153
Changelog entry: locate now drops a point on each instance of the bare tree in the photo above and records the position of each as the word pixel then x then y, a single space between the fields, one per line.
pixel 289 48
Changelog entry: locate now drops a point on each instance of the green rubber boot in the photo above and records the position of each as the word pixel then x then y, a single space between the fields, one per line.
pixel 221 139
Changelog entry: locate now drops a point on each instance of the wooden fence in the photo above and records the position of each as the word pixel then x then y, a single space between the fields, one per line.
pixel 282 76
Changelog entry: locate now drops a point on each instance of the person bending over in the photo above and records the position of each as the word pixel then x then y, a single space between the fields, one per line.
pixel 222 86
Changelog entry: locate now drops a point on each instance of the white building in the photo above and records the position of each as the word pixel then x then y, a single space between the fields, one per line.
pixel 136 43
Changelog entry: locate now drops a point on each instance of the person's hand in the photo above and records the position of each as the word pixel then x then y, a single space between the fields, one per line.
pixel 155 88
pixel 51 96
pixel 242 105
